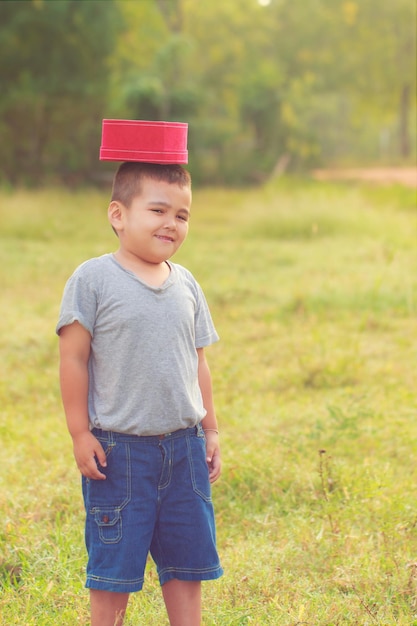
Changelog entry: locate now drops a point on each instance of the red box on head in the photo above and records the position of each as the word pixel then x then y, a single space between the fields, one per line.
pixel 145 141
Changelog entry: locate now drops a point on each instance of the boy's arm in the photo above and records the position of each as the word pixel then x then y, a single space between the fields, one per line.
pixel 74 345
pixel 209 423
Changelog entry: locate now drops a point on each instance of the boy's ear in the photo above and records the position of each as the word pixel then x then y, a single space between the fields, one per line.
pixel 115 213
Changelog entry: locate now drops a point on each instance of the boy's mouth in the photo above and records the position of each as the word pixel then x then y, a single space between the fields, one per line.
pixel 165 238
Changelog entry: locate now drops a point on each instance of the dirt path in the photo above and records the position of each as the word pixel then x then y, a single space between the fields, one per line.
pixel 382 175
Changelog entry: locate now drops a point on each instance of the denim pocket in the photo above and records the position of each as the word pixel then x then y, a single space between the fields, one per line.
pixel 198 466
pixel 109 522
pixel 105 499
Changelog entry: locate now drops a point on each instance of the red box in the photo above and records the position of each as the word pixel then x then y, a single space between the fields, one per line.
pixel 140 140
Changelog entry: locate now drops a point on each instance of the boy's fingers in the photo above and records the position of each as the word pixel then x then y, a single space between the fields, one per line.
pixel 100 454
pixel 214 467
pixel 101 459
pixel 90 456
pixel 91 471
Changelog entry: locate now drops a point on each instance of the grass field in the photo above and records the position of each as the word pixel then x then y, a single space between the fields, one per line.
pixel 312 288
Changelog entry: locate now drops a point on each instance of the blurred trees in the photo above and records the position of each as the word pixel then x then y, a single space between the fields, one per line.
pixel 53 85
pixel 298 82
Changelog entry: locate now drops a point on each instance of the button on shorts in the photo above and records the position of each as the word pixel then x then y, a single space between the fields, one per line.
pixel 156 499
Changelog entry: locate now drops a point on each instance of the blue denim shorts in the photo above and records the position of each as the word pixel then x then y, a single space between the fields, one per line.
pixel 156 499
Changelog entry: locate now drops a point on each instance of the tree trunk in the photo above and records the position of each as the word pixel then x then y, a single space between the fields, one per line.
pixel 404 136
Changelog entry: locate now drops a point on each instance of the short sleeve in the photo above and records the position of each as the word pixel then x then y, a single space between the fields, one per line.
pixel 205 332
pixel 79 303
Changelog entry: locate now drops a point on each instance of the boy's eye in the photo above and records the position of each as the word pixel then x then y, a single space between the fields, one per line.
pixel 183 218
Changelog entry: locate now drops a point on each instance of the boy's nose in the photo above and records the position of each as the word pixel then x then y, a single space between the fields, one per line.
pixel 170 222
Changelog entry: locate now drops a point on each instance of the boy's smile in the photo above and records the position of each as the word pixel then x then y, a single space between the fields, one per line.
pixel 165 238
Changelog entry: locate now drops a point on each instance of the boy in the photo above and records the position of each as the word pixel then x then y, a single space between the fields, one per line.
pixel 137 395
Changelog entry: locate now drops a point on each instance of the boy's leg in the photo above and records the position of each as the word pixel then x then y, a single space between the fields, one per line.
pixel 183 602
pixel 107 607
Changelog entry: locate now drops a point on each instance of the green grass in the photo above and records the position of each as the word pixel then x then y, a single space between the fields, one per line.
pixel 313 290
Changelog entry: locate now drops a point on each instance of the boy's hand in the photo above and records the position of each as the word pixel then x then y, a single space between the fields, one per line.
pixel 213 455
pixel 88 452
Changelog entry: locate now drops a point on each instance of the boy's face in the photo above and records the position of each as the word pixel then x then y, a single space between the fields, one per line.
pixel 155 224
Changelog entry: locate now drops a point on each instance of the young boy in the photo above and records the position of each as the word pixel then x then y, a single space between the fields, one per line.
pixel 137 394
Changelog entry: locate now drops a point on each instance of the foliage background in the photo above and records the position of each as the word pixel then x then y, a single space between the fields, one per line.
pixel 264 85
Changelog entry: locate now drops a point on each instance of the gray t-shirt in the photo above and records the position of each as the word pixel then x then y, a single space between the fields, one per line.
pixel 143 362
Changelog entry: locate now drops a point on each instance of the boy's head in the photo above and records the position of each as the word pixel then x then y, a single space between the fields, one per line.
pixel 130 175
